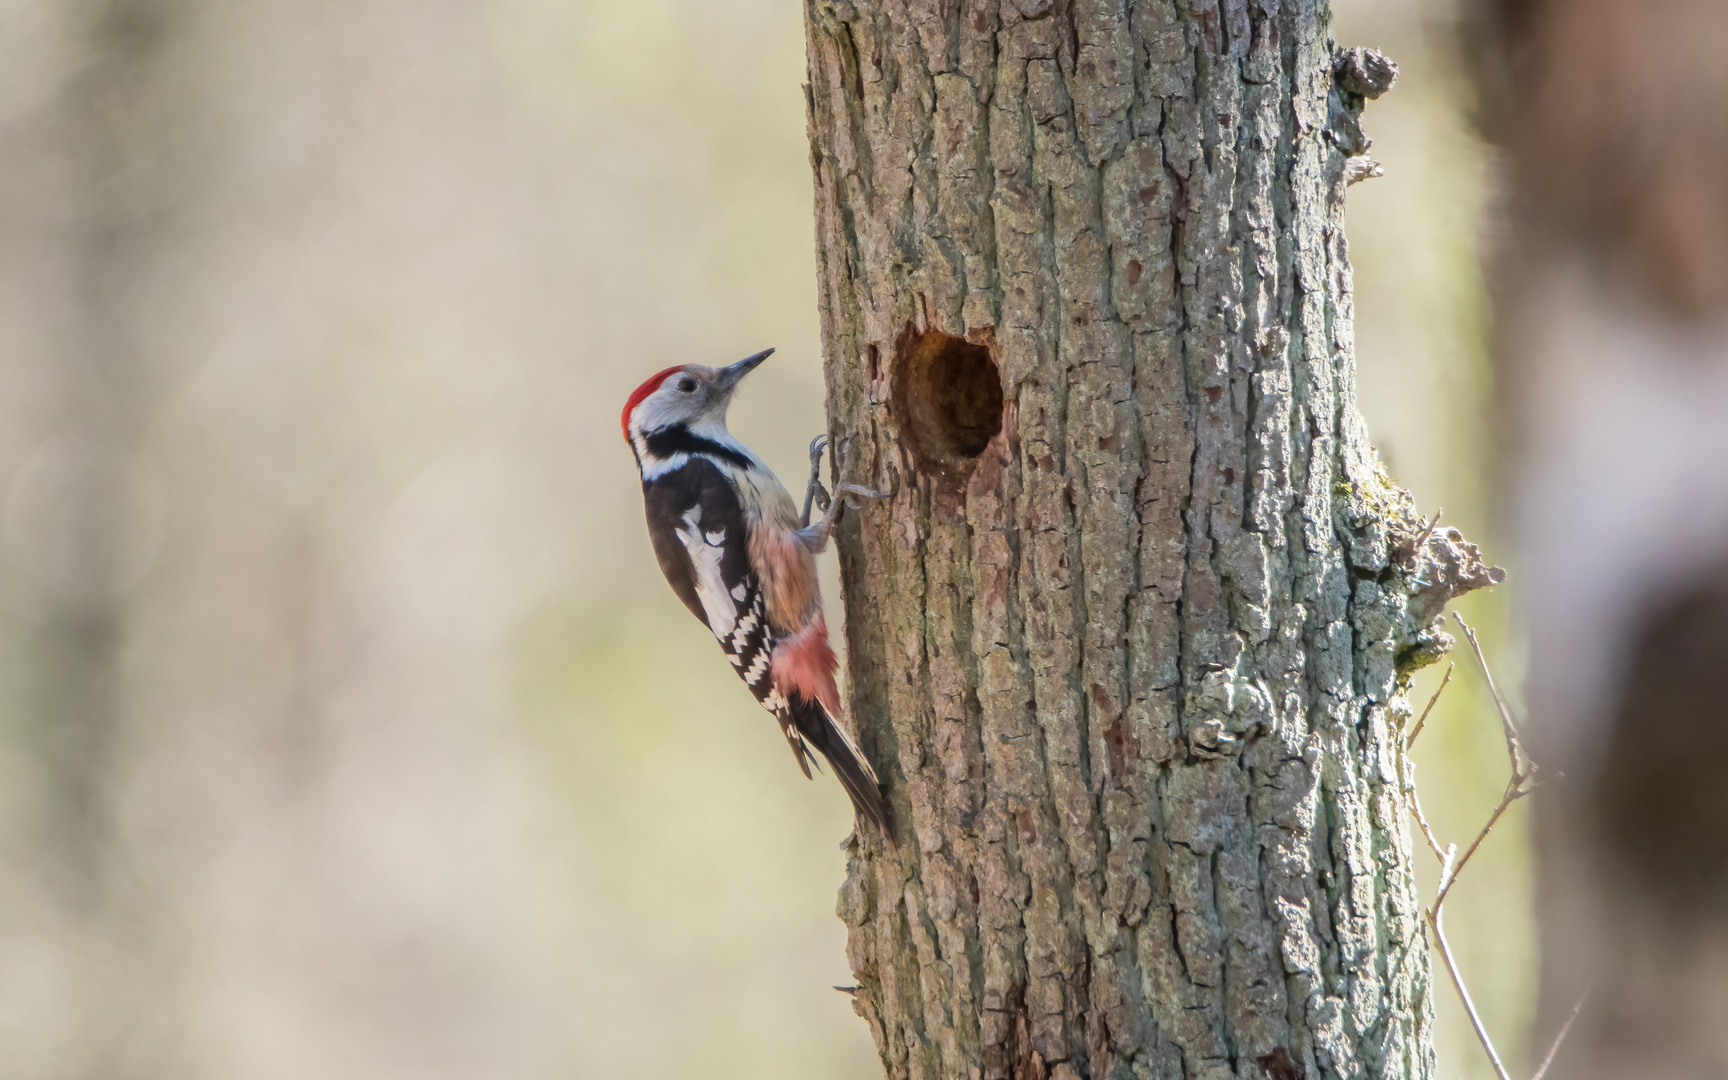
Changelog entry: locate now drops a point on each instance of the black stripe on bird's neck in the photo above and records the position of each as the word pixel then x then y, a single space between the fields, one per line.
pixel 678 439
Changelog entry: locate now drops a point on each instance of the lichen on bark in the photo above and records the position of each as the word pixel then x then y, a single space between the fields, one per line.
pixel 1132 667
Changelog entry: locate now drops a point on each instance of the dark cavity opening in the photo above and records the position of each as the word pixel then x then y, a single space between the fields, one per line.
pixel 947 399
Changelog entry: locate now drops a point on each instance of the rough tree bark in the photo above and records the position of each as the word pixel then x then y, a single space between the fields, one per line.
pixel 1129 642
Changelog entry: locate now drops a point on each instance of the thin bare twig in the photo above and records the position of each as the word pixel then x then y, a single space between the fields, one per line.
pixel 1427 833
pixel 1463 994
pixel 1513 748
pixel 1513 794
pixel 1523 780
pixel 1521 783
pixel 1423 719
pixel 1542 1070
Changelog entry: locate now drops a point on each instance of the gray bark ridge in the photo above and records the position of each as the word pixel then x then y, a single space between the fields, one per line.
pixel 1130 654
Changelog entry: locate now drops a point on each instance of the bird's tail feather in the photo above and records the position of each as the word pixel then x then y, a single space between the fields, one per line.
pixel 848 763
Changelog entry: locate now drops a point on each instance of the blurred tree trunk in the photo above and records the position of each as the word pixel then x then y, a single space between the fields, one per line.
pixel 228 707
pixel 1613 342
pixel 1129 644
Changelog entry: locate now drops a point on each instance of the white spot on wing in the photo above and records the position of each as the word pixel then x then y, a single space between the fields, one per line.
pixel 740 592
pixel 745 625
pixel 757 669
pixel 705 561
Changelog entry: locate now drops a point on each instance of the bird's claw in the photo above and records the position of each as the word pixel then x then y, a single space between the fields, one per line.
pixel 854 492
pixel 815 533
pixel 814 493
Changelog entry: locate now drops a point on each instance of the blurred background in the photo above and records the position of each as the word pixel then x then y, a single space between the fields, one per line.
pixel 346 726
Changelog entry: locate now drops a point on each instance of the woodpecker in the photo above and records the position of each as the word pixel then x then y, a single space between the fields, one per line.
pixel 735 549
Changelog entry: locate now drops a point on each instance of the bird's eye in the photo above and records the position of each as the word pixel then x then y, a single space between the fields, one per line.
pixel 686 386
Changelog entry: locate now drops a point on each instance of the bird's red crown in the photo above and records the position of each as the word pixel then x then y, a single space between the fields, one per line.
pixel 643 391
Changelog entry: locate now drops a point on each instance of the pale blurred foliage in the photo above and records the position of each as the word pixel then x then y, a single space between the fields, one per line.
pixel 346 728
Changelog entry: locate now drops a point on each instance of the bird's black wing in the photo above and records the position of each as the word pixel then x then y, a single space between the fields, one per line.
pixel 700 538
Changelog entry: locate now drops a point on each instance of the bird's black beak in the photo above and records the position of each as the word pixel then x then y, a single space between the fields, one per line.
pixel 728 378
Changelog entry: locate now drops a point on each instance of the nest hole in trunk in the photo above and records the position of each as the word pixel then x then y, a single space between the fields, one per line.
pixel 947 400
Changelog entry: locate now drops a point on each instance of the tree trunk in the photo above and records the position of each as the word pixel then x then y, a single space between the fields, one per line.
pixel 1129 643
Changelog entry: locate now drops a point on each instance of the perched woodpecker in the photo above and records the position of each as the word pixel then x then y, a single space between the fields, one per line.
pixel 736 550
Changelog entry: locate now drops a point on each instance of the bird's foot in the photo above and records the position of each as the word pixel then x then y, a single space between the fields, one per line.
pixel 815 494
pixel 815 534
